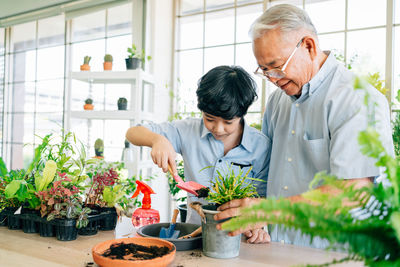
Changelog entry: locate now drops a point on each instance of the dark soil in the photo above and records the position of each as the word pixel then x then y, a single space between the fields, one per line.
pixel 203 192
pixel 195 254
pixel 135 252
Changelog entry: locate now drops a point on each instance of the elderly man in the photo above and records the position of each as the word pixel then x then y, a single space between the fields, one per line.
pixel 313 118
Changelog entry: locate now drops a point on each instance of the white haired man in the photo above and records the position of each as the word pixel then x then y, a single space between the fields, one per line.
pixel 313 119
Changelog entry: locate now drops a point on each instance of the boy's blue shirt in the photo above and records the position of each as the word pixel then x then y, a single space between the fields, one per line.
pixel 200 149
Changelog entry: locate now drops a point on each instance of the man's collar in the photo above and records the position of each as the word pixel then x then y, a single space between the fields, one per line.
pixel 309 88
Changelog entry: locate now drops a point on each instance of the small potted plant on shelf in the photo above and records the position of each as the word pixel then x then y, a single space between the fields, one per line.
pixel 88 104
pixel 99 148
pixel 108 62
pixel 135 57
pixel 122 103
pixel 224 188
pixel 85 66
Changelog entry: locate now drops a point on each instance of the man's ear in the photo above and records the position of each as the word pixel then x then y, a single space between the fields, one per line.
pixel 311 46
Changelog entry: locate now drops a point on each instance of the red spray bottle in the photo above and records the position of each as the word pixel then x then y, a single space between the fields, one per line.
pixel 144 215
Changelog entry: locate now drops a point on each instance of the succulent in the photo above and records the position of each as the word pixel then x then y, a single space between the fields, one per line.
pixel 89 101
pixel 99 147
pixel 108 58
pixel 86 60
pixel 122 100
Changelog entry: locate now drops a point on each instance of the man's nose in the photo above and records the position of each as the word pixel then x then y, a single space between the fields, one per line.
pixel 274 80
pixel 219 128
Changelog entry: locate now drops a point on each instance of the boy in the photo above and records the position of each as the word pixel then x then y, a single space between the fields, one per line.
pixel 220 139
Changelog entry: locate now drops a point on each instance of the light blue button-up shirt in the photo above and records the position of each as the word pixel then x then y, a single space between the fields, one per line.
pixel 200 149
pixel 318 131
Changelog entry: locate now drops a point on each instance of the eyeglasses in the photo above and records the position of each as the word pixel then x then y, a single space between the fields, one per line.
pixel 277 73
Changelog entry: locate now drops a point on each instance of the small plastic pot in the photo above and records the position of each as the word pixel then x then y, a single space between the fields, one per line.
pixel 66 230
pixel 108 220
pixel 29 221
pixel 46 228
pixel 14 222
pixel 183 212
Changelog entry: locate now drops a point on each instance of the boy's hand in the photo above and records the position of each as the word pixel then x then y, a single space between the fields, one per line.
pixel 163 153
pixel 257 236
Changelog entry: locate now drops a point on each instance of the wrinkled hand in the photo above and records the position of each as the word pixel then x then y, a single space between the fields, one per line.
pixel 257 236
pixel 232 209
pixel 163 153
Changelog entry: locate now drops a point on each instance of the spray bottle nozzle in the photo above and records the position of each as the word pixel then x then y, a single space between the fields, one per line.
pixel 146 190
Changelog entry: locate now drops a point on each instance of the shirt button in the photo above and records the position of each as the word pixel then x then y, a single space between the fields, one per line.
pixel 297 105
pixel 293 131
pixel 220 160
pixel 289 159
pixel 285 187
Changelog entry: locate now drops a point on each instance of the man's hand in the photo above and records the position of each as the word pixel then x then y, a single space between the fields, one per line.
pixel 232 209
pixel 257 236
pixel 163 153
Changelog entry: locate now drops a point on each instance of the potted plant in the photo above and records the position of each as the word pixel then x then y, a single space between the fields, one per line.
pixel 85 66
pixel 62 202
pixel 9 205
pixel 111 196
pixel 88 104
pixel 99 148
pixel 224 188
pixel 135 57
pixel 122 103
pixel 108 60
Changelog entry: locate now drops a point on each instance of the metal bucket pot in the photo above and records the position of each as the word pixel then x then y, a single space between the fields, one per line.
pixel 217 243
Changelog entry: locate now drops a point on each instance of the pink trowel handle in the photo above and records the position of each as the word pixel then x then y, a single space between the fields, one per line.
pixel 176 177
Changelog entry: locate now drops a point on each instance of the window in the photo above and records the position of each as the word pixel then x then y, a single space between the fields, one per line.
pixel 35 84
pixel 96 34
pixel 212 33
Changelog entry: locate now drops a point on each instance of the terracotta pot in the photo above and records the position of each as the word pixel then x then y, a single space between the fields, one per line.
pixel 99 249
pixel 107 65
pixel 85 67
pixel 88 107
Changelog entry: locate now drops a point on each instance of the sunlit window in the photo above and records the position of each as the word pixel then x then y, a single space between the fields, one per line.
pixel 212 33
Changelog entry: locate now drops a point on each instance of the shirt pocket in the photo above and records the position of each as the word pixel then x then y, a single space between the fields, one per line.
pixel 316 154
pixel 244 167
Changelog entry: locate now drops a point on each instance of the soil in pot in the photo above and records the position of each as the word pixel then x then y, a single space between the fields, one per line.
pixel 135 252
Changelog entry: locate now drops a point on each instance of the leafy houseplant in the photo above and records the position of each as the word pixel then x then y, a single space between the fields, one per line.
pixel 88 104
pixel 122 103
pixel 85 66
pixel 367 227
pixel 135 57
pixel 108 62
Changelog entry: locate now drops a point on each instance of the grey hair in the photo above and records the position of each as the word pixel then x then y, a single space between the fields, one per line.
pixel 288 18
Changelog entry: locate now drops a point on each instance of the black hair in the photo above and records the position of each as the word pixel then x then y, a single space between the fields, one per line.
pixel 226 92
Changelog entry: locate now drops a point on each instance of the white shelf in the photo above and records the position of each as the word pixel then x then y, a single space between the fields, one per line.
pixel 128 76
pixel 109 115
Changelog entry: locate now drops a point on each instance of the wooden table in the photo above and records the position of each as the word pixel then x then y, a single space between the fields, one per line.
pixel 20 249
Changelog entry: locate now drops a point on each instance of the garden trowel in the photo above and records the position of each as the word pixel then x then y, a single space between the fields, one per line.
pixel 190 187
pixel 170 232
